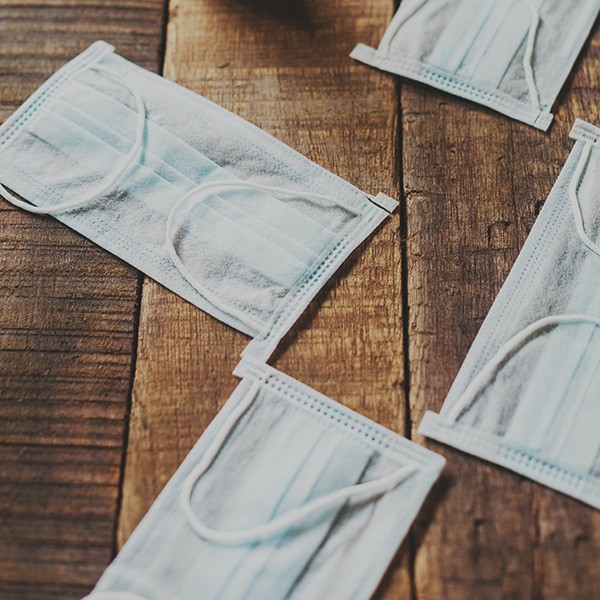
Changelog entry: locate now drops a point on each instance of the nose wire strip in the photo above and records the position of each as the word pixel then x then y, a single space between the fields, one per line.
pixel 485 375
pixel 127 160
pixel 223 184
pixel 283 523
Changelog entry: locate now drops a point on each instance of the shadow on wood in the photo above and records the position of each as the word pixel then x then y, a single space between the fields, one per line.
pixel 290 11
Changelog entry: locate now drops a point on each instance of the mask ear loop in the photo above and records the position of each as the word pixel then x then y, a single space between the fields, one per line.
pixel 122 166
pixel 367 490
pixel 573 185
pixel 528 58
pixel 486 374
pixel 223 184
pixel 401 16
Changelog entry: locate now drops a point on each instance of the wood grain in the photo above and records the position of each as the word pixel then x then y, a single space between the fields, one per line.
pixel 67 330
pixel 474 184
pixel 285 67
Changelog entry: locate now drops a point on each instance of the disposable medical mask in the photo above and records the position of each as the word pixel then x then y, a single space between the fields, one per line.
pixel 287 494
pixel 528 394
pixel 197 198
pixel 510 55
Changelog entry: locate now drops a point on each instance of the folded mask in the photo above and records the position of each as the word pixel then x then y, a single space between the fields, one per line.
pixel 207 204
pixel 287 494
pixel 510 55
pixel 528 394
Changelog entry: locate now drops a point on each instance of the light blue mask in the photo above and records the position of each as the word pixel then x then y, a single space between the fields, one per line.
pixel 207 204
pixel 510 55
pixel 286 495
pixel 528 394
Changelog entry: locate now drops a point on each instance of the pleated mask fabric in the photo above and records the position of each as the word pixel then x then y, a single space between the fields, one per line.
pixel 510 55
pixel 287 494
pixel 197 198
pixel 528 394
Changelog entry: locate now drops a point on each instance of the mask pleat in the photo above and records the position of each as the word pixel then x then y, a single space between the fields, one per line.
pixel 570 441
pixel 96 153
pixel 230 254
pixel 572 23
pixel 159 167
pixel 548 384
pixel 271 445
pixel 268 572
pixel 486 36
pixel 358 522
pixel 195 167
pixel 121 142
pixel 212 235
pixel 71 166
pixel 449 52
pixel 273 240
pixel 505 45
pixel 247 152
pixel 193 154
pixel 240 244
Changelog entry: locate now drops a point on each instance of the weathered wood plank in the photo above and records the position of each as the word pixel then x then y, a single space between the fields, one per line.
pixel 568 540
pixel 474 183
pixel 285 67
pixel 67 334
pixel 462 240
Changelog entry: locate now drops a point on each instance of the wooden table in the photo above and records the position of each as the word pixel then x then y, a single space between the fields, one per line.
pixel 107 379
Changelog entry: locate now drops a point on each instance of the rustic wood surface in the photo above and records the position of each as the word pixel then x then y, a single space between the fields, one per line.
pixel 67 329
pixel 107 379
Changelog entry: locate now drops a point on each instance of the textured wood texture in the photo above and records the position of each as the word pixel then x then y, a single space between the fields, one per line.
pixel 67 331
pixel 84 340
pixel 474 184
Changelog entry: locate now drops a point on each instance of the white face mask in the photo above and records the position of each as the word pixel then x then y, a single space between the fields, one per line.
pixel 527 395
pixel 286 495
pixel 510 55
pixel 207 204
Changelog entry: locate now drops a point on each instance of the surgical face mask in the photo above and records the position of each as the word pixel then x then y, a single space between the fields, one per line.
pixel 527 395
pixel 510 55
pixel 287 494
pixel 207 204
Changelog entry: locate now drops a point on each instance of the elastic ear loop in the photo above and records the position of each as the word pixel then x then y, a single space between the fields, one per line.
pixel 212 185
pixel 122 166
pixel 283 523
pixel 486 374
pixel 573 185
pixel 528 58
